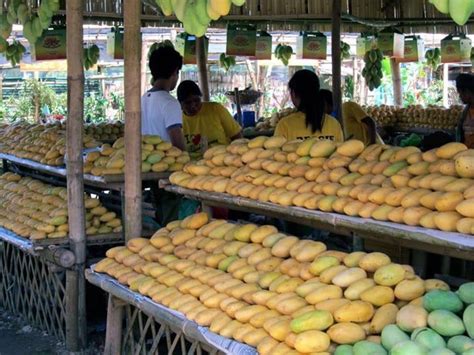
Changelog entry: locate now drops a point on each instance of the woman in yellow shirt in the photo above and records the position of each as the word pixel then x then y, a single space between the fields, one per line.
pixel 311 119
pixel 209 120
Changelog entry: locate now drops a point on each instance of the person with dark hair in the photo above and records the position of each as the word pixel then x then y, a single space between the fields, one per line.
pixel 311 119
pixel 465 127
pixel 161 112
pixel 209 121
pixel 161 115
pixel 357 124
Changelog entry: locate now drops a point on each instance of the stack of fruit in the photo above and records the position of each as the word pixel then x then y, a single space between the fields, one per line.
pixel 196 15
pixel 91 56
pixel 433 58
pixel 35 210
pixel 271 122
pixel 157 156
pixel 436 329
pixel 459 10
pixel 269 290
pixel 432 117
pixel 106 131
pixel 372 71
pixel 42 143
pixel 434 189
pixel 284 53
pixel 226 61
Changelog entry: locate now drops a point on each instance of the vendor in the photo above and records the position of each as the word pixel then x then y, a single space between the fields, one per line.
pixel 204 119
pixel 311 119
pixel 465 127
pixel 357 124
pixel 161 113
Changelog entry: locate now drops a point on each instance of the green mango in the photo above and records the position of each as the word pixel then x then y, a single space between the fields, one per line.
pixel 466 292
pixel 441 299
pixel 460 343
pixel 460 10
pixel 441 5
pixel 344 350
pixel 408 348
pixel 446 323
pixel 468 318
pixel 368 348
pixel 392 335
pixel 428 338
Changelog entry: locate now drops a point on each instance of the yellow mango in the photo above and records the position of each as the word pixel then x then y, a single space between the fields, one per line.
pixel 385 315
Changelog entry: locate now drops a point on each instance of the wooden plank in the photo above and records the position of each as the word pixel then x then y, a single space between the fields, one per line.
pixel 336 58
pixel 202 67
pixel 132 60
pixel 113 331
pixel 453 244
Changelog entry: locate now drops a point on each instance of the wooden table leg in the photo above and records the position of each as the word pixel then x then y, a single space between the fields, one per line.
pixel 357 243
pixel 113 334
pixel 419 259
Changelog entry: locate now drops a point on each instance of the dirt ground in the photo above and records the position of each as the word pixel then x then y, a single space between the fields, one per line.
pixel 16 338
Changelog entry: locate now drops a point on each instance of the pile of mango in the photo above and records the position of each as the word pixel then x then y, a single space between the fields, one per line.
pixel 269 290
pixel 34 210
pixel 433 189
pixel 416 116
pixel 443 326
pixel 157 156
pixel 106 131
pixel 42 143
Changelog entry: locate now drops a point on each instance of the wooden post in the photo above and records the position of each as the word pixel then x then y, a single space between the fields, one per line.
pixel 336 57
pixel 132 60
pixel 202 67
pixel 397 82
pixel 75 293
pixel 445 85
pixel 113 332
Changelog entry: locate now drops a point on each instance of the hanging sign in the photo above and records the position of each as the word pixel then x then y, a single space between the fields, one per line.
pixel 414 49
pixel 456 48
pixel 311 45
pixel 392 44
pixel 115 43
pixel 186 46
pixel 241 40
pixel 51 45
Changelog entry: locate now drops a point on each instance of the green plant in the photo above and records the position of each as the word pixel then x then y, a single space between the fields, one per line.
pixel 95 108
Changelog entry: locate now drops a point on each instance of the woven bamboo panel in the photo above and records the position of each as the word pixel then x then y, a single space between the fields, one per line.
pixel 28 288
pixel 143 335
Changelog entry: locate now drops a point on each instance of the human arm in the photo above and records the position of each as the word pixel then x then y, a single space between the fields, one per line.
pixel 177 137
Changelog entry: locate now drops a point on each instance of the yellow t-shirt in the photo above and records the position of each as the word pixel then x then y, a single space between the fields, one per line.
pixel 294 127
pixel 354 128
pixel 214 122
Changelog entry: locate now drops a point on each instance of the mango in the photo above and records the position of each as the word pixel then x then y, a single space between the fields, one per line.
pixel 321 149
pixel 449 150
pixel 348 277
pixel 411 317
pixel 464 166
pixel 344 350
pixel 355 311
pixel 389 275
pixel 446 323
pixel 385 315
pixel 442 300
pixel 324 293
pixel 354 291
pixel 468 318
pixel 322 263
pixel 365 347
pixel 428 338
pixel 372 261
pixel 408 348
pixel 312 341
pixel 392 335
pixel 315 320
pixel 346 333
pixel 460 343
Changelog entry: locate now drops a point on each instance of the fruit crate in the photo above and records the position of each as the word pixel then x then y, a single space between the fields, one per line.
pixel 152 328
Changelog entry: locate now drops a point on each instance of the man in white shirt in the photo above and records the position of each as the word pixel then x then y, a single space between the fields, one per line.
pixel 162 115
pixel 161 112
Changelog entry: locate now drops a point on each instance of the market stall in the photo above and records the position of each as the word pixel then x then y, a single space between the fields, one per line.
pixel 66 281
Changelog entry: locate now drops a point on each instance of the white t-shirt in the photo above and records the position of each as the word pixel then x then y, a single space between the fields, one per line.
pixel 160 112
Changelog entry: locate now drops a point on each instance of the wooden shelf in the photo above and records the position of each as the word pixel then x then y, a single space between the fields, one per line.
pixel 430 240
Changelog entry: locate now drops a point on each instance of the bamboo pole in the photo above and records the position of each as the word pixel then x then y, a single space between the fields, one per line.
pixel 113 332
pixel 144 65
pixel 397 82
pixel 336 57
pixel 75 296
pixel 132 74
pixel 201 56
